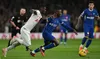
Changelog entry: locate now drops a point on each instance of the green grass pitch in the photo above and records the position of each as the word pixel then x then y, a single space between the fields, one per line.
pixel 70 51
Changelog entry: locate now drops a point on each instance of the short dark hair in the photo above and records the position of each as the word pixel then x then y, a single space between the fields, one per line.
pixel 91 2
pixel 22 8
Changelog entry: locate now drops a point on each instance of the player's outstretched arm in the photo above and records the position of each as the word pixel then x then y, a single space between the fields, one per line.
pixel 13 24
pixel 79 19
pixel 69 27
pixel 78 23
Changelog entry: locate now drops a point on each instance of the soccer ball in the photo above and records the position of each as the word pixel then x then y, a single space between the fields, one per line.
pixel 82 53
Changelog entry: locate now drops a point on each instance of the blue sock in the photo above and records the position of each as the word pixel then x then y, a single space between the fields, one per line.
pixel 37 50
pixel 84 40
pixel 88 43
pixel 49 46
pixel 65 39
pixel 61 38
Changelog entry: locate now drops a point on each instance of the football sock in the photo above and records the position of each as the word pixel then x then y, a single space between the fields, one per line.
pixel 85 48
pixel 15 44
pixel 27 48
pixel 49 46
pixel 65 39
pixel 9 42
pixel 36 50
pixel 81 45
pixel 84 40
pixel 88 43
pixel 61 38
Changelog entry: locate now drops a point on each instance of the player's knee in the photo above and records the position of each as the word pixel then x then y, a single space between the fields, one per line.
pixel 56 43
pixel 86 37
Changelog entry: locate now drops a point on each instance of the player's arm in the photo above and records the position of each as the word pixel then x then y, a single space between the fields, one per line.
pixel 97 15
pixel 79 20
pixel 12 22
pixel 68 27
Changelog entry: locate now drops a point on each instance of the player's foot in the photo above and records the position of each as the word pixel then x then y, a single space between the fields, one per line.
pixel 86 51
pixel 32 54
pixel 61 42
pixel 4 52
pixel 42 51
pixel 80 48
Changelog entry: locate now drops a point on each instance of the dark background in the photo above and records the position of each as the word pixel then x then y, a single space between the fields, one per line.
pixel 11 7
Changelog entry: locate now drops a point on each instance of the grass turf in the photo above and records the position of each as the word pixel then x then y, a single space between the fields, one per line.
pixel 68 51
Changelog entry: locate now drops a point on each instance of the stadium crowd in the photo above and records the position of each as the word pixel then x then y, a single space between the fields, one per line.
pixel 11 7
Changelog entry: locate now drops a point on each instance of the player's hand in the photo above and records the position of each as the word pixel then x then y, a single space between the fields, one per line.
pixel 75 32
pixel 77 26
pixel 17 28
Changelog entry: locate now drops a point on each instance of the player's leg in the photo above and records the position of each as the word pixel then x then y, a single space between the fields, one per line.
pixel 53 44
pixel 90 39
pixel 86 32
pixel 33 53
pixel 24 39
pixel 65 39
pixel 13 33
pixel 61 37
pixel 46 42
pixel 50 42
pixel 25 35
pixel 5 50
pixel 49 46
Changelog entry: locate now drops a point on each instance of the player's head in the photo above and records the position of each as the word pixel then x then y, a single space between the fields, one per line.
pixel 91 5
pixel 22 11
pixel 64 12
pixel 57 13
pixel 60 11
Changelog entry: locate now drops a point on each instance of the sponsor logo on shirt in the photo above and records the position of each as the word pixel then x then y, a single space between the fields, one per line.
pixel 54 25
pixel 90 17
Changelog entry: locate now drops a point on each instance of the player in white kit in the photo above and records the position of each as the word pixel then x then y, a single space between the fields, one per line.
pixel 24 39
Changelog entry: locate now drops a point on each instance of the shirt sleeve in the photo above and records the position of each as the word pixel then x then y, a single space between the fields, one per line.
pixel 65 25
pixel 83 13
pixel 13 18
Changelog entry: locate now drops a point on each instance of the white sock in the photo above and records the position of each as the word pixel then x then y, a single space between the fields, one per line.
pixel 15 44
pixel 85 48
pixel 33 51
pixel 81 45
pixel 43 48
pixel 64 42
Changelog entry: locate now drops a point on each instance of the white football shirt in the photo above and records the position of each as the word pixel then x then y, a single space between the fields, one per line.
pixel 33 20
